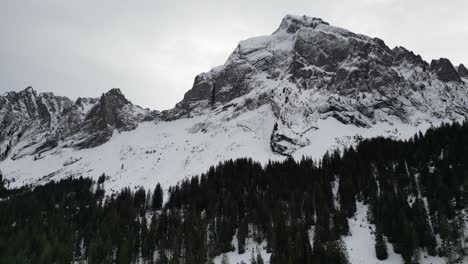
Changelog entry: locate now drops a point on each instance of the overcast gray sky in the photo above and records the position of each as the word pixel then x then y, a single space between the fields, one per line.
pixel 152 50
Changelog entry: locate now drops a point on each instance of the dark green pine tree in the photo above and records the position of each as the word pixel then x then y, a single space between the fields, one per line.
pixel 2 185
pixel 242 233
pixel 157 200
pixel 380 246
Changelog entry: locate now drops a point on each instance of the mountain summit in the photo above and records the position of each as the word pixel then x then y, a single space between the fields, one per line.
pixel 305 89
pixel 309 71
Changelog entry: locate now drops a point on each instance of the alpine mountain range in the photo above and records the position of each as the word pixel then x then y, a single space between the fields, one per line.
pixel 306 89
pixel 308 145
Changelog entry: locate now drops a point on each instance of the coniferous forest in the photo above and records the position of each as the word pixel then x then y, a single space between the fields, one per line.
pixel 417 192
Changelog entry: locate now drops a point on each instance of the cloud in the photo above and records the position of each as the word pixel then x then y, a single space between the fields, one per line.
pixel 152 50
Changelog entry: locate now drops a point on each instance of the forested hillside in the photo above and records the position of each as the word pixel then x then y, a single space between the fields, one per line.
pixel 417 192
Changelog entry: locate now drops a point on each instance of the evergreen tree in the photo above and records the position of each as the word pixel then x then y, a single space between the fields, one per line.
pixel 380 246
pixel 242 234
pixel 157 198
pixel 414 190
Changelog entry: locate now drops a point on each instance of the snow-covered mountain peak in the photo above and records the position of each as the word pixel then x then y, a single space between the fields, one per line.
pixel 305 89
pixel 116 93
pixel 291 23
pixel 308 71
pixel 25 92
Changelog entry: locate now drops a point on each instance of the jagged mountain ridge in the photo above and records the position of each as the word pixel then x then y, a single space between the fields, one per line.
pixel 306 88
pixel 34 123
pixel 306 57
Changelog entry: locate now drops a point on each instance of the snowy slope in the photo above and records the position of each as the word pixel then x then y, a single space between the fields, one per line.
pixel 359 245
pixel 250 246
pixel 307 88
pixel 168 151
pixel 164 152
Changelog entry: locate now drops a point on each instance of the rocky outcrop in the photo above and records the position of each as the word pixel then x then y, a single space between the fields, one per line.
pixel 462 71
pixel 32 123
pixel 222 87
pixel 444 70
pixel 360 79
pixel 402 55
pixel 313 54
pixel 27 112
pixel 112 111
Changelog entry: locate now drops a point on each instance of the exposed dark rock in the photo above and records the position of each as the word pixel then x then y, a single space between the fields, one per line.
pixel 462 71
pixel 321 49
pixel 90 121
pixel 27 110
pixel 292 23
pixel 444 70
pixel 48 145
pixel 401 55
pixel 201 89
pixel 108 114
pixel 279 142
pixel 220 87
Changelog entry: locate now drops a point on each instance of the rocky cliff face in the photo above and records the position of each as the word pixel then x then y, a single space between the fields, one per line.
pixel 444 70
pixel 305 88
pixel 28 114
pixel 462 71
pixel 308 70
pixel 33 123
pixel 113 111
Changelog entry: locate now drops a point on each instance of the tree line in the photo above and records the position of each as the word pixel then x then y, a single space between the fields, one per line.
pixel 416 191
